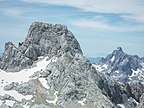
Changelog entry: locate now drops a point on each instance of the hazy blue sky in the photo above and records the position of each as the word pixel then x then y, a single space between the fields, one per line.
pixel 99 25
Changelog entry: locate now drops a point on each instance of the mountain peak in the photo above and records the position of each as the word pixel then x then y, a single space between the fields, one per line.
pixel 53 73
pixel 120 63
pixel 43 39
pixel 59 62
pixel 119 48
pixel 118 51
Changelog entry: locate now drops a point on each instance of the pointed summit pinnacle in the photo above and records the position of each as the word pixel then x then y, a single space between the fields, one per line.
pixel 118 51
pixel 119 48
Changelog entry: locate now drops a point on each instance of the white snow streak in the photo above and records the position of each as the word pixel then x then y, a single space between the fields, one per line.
pixel 44 82
pixel 54 59
pixel 0 102
pixel 22 76
pixel 105 66
pixel 55 100
pixel 100 68
pixel 134 73
pixel 121 105
pixel 113 58
pixel 82 101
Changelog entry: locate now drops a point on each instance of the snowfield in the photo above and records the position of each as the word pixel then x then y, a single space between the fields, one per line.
pixel 82 101
pixel 21 77
pixel 113 58
pixel 135 73
pixel 100 68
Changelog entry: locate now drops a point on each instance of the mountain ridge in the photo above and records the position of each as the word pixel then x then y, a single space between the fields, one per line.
pixel 37 43
pixel 120 63
pixel 50 71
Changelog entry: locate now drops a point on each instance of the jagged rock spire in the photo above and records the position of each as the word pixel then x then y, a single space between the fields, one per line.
pixel 119 48
pixel 42 40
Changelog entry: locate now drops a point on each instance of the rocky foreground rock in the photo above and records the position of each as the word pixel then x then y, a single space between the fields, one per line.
pixel 72 79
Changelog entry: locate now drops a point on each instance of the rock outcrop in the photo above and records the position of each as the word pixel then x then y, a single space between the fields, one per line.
pixel 42 40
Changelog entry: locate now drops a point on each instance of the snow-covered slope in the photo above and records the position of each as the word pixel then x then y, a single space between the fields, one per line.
pixel 21 77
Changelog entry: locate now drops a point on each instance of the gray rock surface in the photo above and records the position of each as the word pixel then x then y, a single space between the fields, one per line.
pixel 71 77
pixel 137 90
pixel 42 40
pixel 141 104
pixel 4 106
pixel 133 94
pixel 13 59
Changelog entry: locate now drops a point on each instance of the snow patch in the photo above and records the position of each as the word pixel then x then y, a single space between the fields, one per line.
pixel 100 68
pixel 54 59
pixel 142 64
pixel 113 58
pixel 44 82
pixel 97 67
pixel 42 64
pixel 1 102
pixel 117 71
pixel 82 101
pixel 22 76
pixel 9 103
pixel 134 73
pixel 134 101
pixel 7 78
pixel 142 82
pixel 55 100
pixel 121 105
pixel 105 66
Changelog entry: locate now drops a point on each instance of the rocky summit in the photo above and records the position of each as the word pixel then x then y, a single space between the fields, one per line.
pixel 48 70
pixel 42 40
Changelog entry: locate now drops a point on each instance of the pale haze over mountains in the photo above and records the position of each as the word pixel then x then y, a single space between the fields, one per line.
pixel 99 25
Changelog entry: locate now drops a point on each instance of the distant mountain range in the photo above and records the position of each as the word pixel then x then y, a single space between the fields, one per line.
pixel 94 60
pixel 122 67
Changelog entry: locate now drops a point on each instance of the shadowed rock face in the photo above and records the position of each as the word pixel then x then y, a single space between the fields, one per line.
pixel 42 40
pixel 122 61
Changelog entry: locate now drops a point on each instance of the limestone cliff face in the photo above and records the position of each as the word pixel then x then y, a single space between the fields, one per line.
pixel 42 40
pixel 70 76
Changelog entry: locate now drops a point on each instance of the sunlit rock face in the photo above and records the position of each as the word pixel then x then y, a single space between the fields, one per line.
pixel 48 70
pixel 42 40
